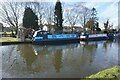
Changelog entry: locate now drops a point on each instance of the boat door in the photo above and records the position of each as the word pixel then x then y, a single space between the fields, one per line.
pixel 44 34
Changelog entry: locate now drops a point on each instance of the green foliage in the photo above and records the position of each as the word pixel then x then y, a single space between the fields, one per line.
pixel 58 16
pixel 30 20
pixel 113 72
pixel 93 24
pixel 97 27
pixel 90 24
pixel 106 24
pixel 94 15
pixel 8 39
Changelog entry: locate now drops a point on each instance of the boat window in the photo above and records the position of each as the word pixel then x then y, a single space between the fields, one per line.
pixel 82 33
pixel 39 34
pixel 42 33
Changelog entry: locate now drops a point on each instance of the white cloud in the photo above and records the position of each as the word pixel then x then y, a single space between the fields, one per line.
pixel 93 4
pixel 114 21
pixel 60 0
pixel 101 25
pixel 111 13
pixel 110 10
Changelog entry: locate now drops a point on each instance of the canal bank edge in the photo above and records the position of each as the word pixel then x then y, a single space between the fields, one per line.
pixel 111 73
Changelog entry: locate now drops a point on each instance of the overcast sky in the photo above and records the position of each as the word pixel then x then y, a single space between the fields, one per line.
pixel 107 9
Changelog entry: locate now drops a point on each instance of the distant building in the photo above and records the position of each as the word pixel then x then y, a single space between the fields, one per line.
pixel 68 29
pixel 1 27
pixel 7 29
pixel 78 29
pixel 45 28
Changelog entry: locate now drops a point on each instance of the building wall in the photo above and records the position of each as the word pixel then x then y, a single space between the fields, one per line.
pixel 1 27
pixel 69 29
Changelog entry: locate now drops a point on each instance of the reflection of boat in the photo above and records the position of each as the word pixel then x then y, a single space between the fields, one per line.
pixel 43 37
pixel 92 42
pixel 38 49
pixel 63 46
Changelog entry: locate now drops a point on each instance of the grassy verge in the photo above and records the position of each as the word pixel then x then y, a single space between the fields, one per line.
pixel 113 72
pixel 6 32
pixel 8 39
pixel 11 39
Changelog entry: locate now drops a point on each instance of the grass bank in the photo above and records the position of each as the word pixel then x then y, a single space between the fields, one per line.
pixel 11 39
pixel 113 73
pixel 6 33
pixel 8 39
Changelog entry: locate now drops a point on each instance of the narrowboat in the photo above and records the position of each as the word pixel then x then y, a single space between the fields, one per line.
pixel 114 36
pixel 44 37
pixel 93 37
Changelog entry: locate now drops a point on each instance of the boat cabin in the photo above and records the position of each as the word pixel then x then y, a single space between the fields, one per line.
pixel 40 34
pixel 87 36
pixel 45 35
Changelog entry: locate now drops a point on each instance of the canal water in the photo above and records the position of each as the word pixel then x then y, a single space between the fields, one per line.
pixel 58 61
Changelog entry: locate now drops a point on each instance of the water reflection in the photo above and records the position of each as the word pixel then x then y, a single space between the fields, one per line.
pixel 107 44
pixel 57 60
pixel 31 54
pixel 27 52
pixel 52 48
pixel 56 51
pixel 89 48
pixel 70 60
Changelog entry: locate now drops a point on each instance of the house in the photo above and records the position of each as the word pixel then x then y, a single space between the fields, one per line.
pixel 76 29
pixel 7 29
pixel 1 27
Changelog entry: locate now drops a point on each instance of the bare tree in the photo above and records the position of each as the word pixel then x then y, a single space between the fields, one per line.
pixel 77 14
pixel 71 16
pixel 84 16
pixel 10 13
pixel 39 7
pixel 107 25
pixel 49 15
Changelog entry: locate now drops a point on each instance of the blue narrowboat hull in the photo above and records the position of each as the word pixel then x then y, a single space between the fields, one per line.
pixel 42 37
pixel 56 39
pixel 94 39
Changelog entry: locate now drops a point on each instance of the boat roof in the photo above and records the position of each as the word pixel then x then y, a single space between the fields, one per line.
pixel 41 31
